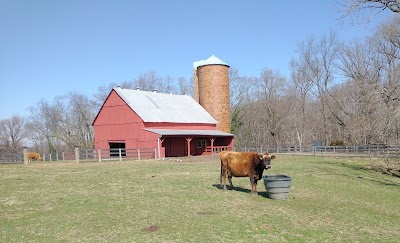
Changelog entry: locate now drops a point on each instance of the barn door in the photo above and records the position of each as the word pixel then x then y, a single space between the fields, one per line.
pixel 114 149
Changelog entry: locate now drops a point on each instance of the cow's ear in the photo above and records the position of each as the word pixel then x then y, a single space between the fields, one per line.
pixel 273 157
pixel 258 158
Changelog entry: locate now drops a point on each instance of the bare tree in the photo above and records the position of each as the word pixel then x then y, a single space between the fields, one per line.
pixel 12 132
pixel 185 86
pixel 317 59
pixel 64 123
pixel 266 109
pixel 302 86
pixel 367 9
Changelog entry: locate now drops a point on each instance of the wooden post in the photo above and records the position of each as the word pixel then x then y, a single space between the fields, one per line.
pixel 120 154
pixel 25 151
pixel 138 153
pixel 77 154
pixel 56 155
pixel 99 155
pixel 212 139
pixel 188 139
pixel 155 153
pixel 63 155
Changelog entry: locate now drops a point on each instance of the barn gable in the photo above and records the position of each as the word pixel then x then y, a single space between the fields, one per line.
pixel 115 110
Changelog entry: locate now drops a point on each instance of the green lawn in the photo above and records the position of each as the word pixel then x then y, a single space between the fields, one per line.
pixel 331 200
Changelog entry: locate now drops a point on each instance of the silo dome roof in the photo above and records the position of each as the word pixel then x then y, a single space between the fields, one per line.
pixel 213 60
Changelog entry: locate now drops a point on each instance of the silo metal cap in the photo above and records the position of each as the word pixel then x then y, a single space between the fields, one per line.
pixel 213 60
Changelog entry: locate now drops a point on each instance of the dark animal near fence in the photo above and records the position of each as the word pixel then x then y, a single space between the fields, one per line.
pixel 244 164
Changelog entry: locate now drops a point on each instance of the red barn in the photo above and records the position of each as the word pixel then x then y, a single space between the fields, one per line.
pixel 175 125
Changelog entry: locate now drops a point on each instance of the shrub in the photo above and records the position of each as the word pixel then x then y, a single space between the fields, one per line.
pixel 337 142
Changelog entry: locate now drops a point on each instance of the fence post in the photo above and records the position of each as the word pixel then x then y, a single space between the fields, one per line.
pixel 44 157
pixel 314 148
pixel 51 159
pixel 63 155
pixel 56 155
pixel 120 154
pixel 155 153
pixel 138 153
pixel 25 151
pixel 77 154
pixel 99 155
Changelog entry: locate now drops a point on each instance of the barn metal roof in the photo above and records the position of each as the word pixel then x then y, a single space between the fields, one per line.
pixel 213 60
pixel 161 107
pixel 171 132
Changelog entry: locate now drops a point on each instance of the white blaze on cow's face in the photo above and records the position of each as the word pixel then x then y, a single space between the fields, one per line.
pixel 266 159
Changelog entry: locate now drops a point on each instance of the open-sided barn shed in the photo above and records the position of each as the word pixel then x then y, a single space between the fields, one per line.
pixel 176 125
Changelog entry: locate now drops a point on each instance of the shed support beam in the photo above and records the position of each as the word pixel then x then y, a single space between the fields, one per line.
pixel 212 139
pixel 188 139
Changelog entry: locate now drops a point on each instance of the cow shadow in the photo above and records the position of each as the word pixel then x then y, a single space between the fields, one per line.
pixel 235 188
pixel 241 189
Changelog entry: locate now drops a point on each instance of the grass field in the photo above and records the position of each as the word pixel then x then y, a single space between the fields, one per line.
pixel 331 200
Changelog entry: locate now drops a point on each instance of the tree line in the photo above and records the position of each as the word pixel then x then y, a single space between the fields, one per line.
pixel 338 93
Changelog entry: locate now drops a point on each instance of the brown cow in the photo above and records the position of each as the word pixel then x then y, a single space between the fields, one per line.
pixel 242 164
pixel 33 155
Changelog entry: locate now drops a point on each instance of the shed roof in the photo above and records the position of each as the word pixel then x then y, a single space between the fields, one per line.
pixel 161 107
pixel 171 132
pixel 213 60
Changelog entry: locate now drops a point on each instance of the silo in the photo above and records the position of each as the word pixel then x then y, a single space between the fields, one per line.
pixel 211 83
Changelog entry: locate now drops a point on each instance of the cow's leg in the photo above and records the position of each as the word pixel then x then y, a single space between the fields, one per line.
pixel 220 178
pixel 253 182
pixel 223 178
pixel 230 179
pixel 255 187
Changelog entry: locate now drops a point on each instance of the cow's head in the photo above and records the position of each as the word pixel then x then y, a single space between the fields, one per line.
pixel 266 159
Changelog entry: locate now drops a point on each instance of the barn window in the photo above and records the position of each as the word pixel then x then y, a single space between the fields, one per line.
pixel 201 143
pixel 114 149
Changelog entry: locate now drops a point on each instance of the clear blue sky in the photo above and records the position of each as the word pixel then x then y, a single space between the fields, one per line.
pixel 49 48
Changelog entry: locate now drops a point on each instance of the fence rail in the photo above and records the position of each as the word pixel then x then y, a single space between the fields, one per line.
pixel 329 150
pixel 20 156
pixel 17 156
pixel 11 156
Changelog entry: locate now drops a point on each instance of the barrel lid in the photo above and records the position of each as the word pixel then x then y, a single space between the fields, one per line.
pixel 277 178
pixel 213 60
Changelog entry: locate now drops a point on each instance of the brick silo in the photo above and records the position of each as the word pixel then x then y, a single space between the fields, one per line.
pixel 211 90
